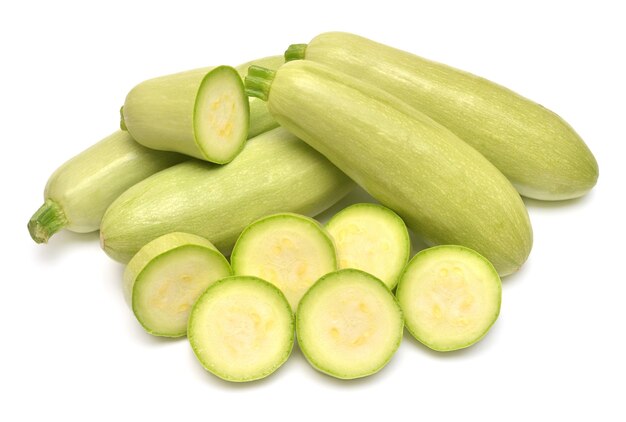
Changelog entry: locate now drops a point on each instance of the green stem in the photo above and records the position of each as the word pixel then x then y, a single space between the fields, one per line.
pixel 258 82
pixel 46 221
pixel 122 122
pixel 295 52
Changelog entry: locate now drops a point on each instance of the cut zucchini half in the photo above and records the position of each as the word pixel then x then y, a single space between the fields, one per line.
pixel 241 329
pixel 290 251
pixel 166 276
pixel 371 238
pixel 349 324
pixel 203 115
pixel 450 296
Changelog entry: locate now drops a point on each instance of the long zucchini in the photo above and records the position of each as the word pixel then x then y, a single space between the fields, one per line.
pixel 538 151
pixel 275 172
pixel 444 189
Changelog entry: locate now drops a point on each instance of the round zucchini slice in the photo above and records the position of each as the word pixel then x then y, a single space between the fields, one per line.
pixel 166 276
pixel 290 251
pixel 241 328
pixel 349 324
pixel 450 296
pixel 371 238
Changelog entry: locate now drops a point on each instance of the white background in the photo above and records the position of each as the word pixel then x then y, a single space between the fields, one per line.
pixel 71 349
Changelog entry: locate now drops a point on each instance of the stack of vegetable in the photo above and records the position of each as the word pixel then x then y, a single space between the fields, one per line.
pixel 444 152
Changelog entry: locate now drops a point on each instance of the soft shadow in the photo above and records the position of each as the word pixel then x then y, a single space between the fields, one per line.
pixel 536 203
pixel 356 196
pixel 63 242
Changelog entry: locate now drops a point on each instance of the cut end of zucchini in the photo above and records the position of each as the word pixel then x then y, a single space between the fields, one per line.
pixel 349 324
pixel 290 251
pixel 241 329
pixel 259 81
pixel 371 238
pixel 221 115
pixel 46 221
pixel 167 276
pixel 450 296
pixel 295 52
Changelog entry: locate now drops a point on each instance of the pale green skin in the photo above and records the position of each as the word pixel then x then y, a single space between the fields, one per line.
pixel 391 221
pixel 85 186
pixel 307 338
pixel 224 288
pixel 537 150
pixel 445 190
pixel 164 113
pixel 150 257
pixel 437 253
pixel 275 172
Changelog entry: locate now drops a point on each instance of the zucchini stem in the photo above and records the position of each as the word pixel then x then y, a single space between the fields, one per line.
pixel 46 221
pixel 258 82
pixel 295 52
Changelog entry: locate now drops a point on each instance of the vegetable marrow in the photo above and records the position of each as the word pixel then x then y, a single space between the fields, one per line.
pixel 79 192
pixel 203 115
pixel 349 324
pixel 450 297
pixel 276 172
pixel 241 329
pixel 444 189
pixel 371 238
pixel 290 251
pixel 166 277
pixel 538 151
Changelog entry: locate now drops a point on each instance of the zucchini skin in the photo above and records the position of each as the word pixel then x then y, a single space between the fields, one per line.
pixel 445 190
pixel 275 172
pixel 80 191
pixel 542 156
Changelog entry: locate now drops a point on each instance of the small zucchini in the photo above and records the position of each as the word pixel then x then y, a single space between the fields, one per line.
pixel 79 192
pixel 445 190
pixel 166 277
pixel 276 172
pixel 450 297
pixel 537 150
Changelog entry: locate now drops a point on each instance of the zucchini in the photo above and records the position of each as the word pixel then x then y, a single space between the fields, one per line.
pixel 203 115
pixel 450 297
pixel 536 150
pixel 290 251
pixel 349 325
pixel 166 277
pixel 79 192
pixel 371 238
pixel 241 329
pixel 276 172
pixel 445 190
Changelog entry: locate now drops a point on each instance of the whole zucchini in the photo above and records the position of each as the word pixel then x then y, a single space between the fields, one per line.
pixel 536 150
pixel 444 189
pixel 275 172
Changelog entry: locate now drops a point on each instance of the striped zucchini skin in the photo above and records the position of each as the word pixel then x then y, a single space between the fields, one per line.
pixel 537 150
pixel 275 172
pixel 445 190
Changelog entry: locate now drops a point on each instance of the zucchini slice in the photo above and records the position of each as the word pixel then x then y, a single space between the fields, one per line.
pixel 290 251
pixel 371 238
pixel 166 276
pixel 203 115
pixel 349 324
pixel 241 329
pixel 450 296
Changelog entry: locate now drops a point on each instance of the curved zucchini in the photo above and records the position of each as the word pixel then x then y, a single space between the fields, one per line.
pixel 538 151
pixel 444 189
pixel 79 192
pixel 275 172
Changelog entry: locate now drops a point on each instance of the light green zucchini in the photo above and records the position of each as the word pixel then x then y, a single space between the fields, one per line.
pixel 79 192
pixel 445 190
pixel 275 172
pixel 166 277
pixel 537 150
pixel 450 297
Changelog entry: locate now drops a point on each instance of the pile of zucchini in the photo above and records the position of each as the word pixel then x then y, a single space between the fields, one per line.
pixel 222 161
